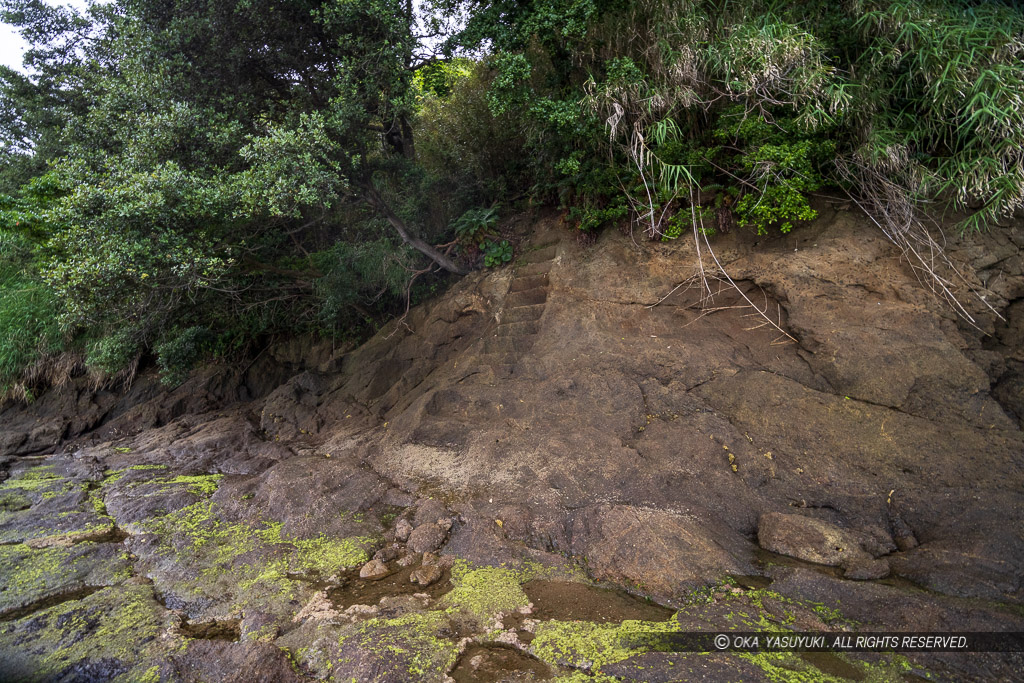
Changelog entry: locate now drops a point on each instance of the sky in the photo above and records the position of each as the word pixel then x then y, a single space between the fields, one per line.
pixel 12 47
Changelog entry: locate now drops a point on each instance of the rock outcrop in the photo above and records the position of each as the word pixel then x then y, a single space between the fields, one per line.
pixel 589 413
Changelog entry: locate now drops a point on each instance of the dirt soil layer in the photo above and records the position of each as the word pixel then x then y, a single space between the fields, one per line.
pixel 528 476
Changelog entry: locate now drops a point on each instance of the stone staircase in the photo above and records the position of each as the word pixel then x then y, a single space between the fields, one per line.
pixel 519 319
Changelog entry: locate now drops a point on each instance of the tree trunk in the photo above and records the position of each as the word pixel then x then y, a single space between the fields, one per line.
pixel 372 197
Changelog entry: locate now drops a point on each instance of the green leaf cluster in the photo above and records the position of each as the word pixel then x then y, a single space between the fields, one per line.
pixel 772 99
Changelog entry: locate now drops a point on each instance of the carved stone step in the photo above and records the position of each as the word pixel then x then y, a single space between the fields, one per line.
pixel 507 345
pixel 518 314
pixel 521 283
pixel 527 297
pixel 543 254
pixel 522 329
pixel 534 268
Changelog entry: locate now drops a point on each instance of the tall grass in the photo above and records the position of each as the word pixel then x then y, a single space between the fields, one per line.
pixel 28 315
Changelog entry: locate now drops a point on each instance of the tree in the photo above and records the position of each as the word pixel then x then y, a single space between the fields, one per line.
pixel 206 153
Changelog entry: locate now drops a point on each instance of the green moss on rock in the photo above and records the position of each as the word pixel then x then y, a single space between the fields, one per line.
pixel 123 630
pixel 412 643
pixel 202 485
pixel 30 575
pixel 483 592
pixel 589 646
pixel 788 667
pixel 254 564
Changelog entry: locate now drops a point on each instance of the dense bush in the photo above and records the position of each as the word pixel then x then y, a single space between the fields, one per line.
pixel 770 98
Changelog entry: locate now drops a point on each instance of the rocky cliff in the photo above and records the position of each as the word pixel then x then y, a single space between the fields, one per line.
pixel 823 446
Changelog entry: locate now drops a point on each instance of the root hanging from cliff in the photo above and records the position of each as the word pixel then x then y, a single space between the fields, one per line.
pixel 706 274
pixel 887 205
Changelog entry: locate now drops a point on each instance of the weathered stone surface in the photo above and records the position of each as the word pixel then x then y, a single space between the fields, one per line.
pixel 373 570
pixel 575 413
pixel 663 554
pixel 428 511
pixel 51 504
pixel 388 553
pixel 809 539
pixel 864 569
pixel 31 576
pixel 118 631
pixel 243 662
pixel 402 530
pixel 319 608
pixel 426 574
pixel 879 607
pixel 426 538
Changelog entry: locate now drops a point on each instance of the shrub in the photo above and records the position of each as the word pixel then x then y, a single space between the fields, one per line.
pixel 496 253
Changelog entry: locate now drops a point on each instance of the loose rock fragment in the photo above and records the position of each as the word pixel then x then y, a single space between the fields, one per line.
pixel 373 570
pixel 402 530
pixel 426 538
pixel 426 575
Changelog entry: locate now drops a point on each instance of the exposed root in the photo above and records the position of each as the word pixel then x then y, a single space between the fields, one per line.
pixel 889 207
pixel 706 275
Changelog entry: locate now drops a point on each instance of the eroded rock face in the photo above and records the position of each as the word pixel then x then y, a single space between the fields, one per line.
pixel 809 539
pixel 576 414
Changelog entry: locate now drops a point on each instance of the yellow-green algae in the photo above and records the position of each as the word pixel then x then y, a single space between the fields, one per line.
pixel 256 562
pixel 412 640
pixel 75 525
pixel 13 501
pixel 580 650
pixel 38 472
pixel 30 574
pixel 35 484
pixel 123 624
pixel 421 642
pixel 483 592
pixel 589 646
pixel 787 667
pixel 201 484
pixel 112 476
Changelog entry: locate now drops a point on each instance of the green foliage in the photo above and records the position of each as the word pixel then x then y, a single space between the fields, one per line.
pixel 475 223
pixel 784 165
pixel 438 79
pixel 115 351
pixel 179 351
pixel 181 179
pixel 589 219
pixel 496 253
pixel 475 156
pixel 205 168
pixel 28 311
pixel 921 94
pixel 353 276
pixel 941 99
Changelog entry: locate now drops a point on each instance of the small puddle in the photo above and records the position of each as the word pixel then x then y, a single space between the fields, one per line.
pixel 764 558
pixel 356 591
pixel 752 582
pixel 213 630
pixel 494 663
pixel 570 601
pixel 830 664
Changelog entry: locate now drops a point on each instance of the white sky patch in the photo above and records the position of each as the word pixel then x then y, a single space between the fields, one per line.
pixel 12 46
